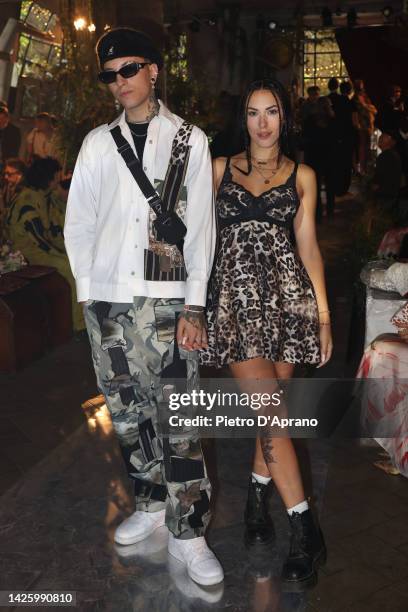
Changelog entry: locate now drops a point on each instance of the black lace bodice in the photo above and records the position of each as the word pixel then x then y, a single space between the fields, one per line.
pixel 277 205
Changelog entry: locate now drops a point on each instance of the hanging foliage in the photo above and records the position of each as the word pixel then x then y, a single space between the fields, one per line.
pixel 187 96
pixel 80 102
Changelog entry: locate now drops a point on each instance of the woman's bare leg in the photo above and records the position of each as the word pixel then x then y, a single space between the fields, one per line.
pixel 276 456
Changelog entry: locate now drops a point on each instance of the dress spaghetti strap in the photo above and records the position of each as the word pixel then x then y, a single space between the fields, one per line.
pixel 227 171
pixel 292 178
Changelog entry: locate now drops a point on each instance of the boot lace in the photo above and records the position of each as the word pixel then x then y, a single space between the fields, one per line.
pixel 259 509
pixel 298 536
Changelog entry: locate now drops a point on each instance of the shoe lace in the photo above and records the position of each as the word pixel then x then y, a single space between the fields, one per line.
pixel 198 546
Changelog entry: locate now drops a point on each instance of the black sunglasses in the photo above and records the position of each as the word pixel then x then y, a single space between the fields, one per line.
pixel 127 71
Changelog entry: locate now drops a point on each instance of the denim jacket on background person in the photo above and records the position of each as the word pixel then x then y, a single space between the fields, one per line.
pixel 108 226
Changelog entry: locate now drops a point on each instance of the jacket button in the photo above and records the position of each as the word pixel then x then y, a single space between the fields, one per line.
pixel 137 220
pixel 145 168
pixel 132 273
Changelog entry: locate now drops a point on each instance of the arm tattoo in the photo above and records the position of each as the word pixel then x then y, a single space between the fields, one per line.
pixel 152 108
pixel 267 448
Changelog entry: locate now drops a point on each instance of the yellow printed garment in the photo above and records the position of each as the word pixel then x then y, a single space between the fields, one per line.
pixel 28 226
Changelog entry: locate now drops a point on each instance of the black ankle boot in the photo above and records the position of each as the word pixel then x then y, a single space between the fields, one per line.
pixel 307 552
pixel 259 526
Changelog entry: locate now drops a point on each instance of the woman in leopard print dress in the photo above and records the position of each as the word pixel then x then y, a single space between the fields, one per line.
pixel 267 306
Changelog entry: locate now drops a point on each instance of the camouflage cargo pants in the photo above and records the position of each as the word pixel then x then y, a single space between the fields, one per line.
pixel 134 351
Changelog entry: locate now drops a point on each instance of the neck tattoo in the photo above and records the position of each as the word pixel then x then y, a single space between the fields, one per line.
pixel 152 108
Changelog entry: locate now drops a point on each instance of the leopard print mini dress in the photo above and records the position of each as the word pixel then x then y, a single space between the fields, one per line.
pixel 261 302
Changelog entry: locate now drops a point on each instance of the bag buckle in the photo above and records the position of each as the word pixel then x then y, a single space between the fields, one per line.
pixel 124 147
pixel 155 203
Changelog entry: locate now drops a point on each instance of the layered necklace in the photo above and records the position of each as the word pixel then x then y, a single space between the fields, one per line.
pixel 270 172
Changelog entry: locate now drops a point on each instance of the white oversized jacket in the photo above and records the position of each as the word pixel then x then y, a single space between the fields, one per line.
pixel 106 225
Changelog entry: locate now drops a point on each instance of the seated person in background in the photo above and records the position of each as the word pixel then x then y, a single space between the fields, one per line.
pixel 388 170
pixel 393 109
pixel 28 224
pixel 13 179
pixel 10 136
pixel 385 396
pixel 40 141
pixel 56 211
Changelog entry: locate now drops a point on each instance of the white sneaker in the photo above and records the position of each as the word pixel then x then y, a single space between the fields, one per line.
pixel 202 565
pixel 138 526
pixel 189 588
pixel 152 549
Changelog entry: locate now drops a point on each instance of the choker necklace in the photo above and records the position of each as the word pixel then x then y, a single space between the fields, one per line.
pixel 264 162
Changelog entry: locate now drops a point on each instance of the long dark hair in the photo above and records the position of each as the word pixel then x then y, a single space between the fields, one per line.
pixel 285 118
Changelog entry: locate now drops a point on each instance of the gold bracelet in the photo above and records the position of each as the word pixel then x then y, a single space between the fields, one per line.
pixel 328 323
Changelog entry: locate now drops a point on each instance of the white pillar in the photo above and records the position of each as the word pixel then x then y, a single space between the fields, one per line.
pixel 7 44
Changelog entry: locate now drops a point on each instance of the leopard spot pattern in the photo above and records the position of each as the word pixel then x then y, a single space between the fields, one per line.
pixel 261 302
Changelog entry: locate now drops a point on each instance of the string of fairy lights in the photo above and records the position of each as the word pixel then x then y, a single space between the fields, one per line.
pixel 322 58
pixel 318 70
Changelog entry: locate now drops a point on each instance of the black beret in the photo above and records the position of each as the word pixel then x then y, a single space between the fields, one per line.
pixel 124 42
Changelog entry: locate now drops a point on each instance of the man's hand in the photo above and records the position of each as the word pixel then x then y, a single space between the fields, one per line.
pixel 403 333
pixel 191 329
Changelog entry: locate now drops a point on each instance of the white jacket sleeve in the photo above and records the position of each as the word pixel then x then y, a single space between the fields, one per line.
pixel 199 241
pixel 80 221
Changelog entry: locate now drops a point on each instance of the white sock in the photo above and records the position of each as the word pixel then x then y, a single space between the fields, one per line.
pixel 261 479
pixel 299 508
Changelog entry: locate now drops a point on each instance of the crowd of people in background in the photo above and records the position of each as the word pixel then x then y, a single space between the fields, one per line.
pixel 336 140
pixel 338 136
pixel 33 197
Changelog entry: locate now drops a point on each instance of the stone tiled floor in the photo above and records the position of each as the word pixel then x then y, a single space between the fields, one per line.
pixel 64 491
pixel 40 406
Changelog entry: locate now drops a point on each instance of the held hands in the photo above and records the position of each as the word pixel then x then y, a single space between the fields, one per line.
pixel 191 329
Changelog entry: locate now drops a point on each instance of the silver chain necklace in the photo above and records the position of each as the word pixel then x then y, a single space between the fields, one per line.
pixel 139 135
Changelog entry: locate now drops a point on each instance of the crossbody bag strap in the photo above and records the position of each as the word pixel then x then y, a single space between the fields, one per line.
pixel 135 167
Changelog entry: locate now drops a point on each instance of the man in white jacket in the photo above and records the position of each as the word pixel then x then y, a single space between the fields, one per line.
pixel 143 299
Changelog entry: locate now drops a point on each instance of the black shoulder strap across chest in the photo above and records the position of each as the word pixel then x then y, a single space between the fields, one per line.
pixel 175 172
pixel 136 170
